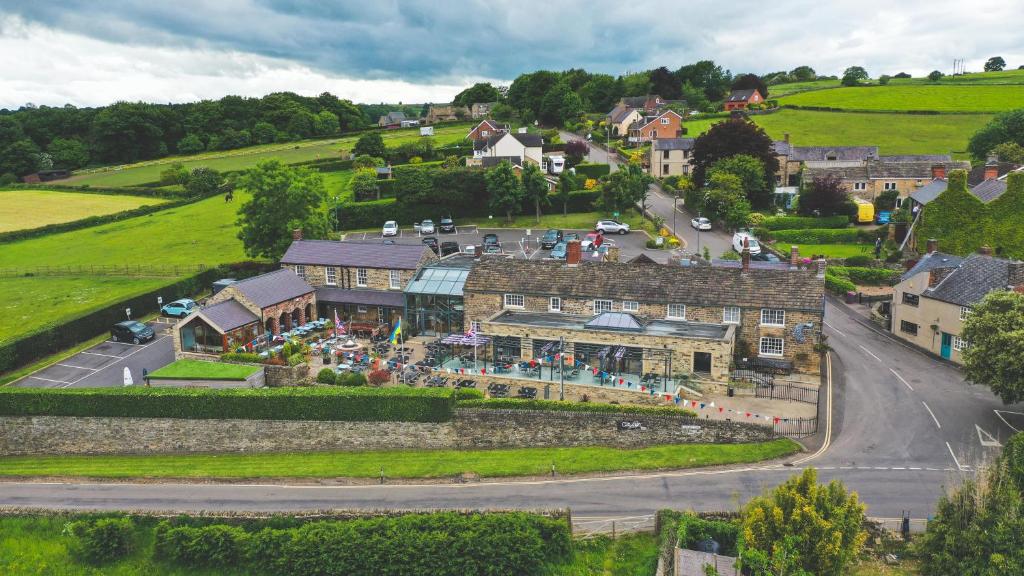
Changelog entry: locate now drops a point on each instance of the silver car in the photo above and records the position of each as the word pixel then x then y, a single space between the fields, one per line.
pixel 427 227
pixel 612 227
pixel 390 229
pixel 700 223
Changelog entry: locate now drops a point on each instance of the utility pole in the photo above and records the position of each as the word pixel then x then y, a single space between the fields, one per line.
pixel 561 367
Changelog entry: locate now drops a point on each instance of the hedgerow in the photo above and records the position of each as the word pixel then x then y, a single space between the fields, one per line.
pixel 317 403
pixel 566 406
pixel 693 529
pixel 801 222
pixel 823 236
pixel 838 284
pixel 595 171
pixel 865 276
pixel 102 540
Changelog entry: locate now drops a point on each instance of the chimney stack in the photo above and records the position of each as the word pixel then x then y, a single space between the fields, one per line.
pixel 794 257
pixel 939 171
pixel 1015 276
pixel 933 245
pixel 820 264
pixel 612 255
pixel 992 168
pixel 297 234
pixel 573 254
pixel 745 255
pixel 985 250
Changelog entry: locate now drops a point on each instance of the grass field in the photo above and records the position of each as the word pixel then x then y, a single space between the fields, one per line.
pixel 398 463
pixel 828 250
pixel 24 209
pixel 892 133
pixel 200 370
pixel 938 97
pixel 627 555
pixel 289 153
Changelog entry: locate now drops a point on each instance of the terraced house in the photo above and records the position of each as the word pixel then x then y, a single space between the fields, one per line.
pixel 694 318
pixel 360 281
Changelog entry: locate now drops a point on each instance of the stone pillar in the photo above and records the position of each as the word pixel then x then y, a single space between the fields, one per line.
pixel 302 316
pixel 275 325
pixel 526 348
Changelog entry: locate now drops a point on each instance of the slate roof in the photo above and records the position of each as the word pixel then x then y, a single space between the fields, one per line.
pixel 393 117
pixel 273 287
pixel 741 95
pixel 619 113
pixel 912 170
pixel 529 140
pixel 841 153
pixel 977 174
pixel 394 299
pixel 637 101
pixel 975 277
pixel 697 285
pixel 929 191
pixel 782 148
pixel 930 262
pixel 228 315
pixel 989 190
pixel 673 144
pixel 986 190
pixel 355 254
pixel 842 172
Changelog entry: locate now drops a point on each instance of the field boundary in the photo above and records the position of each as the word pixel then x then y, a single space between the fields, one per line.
pixel 878 111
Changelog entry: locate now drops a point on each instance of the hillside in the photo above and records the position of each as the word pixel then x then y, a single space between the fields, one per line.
pixel 932 97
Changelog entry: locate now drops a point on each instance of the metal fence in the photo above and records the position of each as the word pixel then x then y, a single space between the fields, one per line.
pixel 586 527
pixel 133 270
pixel 796 427
pixel 787 392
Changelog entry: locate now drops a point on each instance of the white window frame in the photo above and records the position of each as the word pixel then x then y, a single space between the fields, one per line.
pixel 554 304
pixel 474 325
pixel 362 309
pixel 331 276
pixel 300 271
pixel 630 306
pixel 665 121
pixel 959 343
pixel 965 311
pixel 601 306
pixel 361 277
pixel 395 279
pixel 514 301
pixel 676 316
pixel 887 186
pixel 860 186
pixel 727 315
pixel 767 317
pixel 771 340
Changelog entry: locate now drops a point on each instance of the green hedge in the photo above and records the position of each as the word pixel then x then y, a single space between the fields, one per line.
pixel 319 403
pixel 693 529
pixel 822 236
pixel 865 276
pixel 801 222
pixel 101 540
pixel 838 284
pixel 439 544
pixel 593 170
pixel 567 406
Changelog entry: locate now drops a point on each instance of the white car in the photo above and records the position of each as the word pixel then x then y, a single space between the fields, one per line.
pixel 700 223
pixel 427 227
pixel 611 227
pixel 752 243
pixel 390 229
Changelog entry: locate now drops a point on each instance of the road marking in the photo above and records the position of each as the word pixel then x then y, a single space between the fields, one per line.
pixel 870 353
pixel 78 367
pixel 125 357
pixel 828 413
pixel 955 461
pixel 98 354
pixel 896 374
pixel 991 442
pixel 933 414
pixel 1000 413
pixel 48 380
pixel 838 331
pixel 913 468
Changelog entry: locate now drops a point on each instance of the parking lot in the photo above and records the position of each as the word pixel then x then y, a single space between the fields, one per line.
pixel 518 242
pixel 103 364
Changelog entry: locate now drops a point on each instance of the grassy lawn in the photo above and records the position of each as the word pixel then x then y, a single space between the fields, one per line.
pixel 339 184
pixel 23 209
pixel 627 555
pixel 573 221
pixel 398 463
pixel 892 133
pixel 200 370
pixel 228 160
pixel 879 568
pixel 779 90
pixel 939 97
pixel 828 250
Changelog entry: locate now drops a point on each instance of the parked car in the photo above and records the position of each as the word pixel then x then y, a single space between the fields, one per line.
pixel 432 242
pixel 765 257
pixel 558 252
pixel 390 228
pixel 449 248
pixel 493 248
pixel 490 239
pixel 612 227
pixel 569 236
pixel 447 225
pixel 427 227
pixel 883 217
pixel 178 308
pixel 752 243
pixel 591 242
pixel 700 223
pixel 550 238
pixel 131 331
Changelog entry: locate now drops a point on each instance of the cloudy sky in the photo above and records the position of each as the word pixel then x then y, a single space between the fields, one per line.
pixel 95 52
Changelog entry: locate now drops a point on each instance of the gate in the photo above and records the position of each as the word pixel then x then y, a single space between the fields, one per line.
pixel 791 392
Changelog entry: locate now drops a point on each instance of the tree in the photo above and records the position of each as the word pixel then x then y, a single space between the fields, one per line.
pixel 527 90
pixel 567 182
pixel 723 200
pixel 803 74
pixel 600 93
pixel 325 123
pixel 20 158
pixel 665 84
pixel 884 79
pixel 902 75
pixel 575 150
pixel 203 182
pixel 263 133
pixel 451 161
pixel 994 357
pixel 191 144
pixel 730 138
pixel 825 196
pixel 535 187
pixel 479 92
pixel 365 185
pixel 854 75
pixel 995 64
pixel 366 161
pixel 560 104
pixel 1005 127
pixel 638 84
pixel 695 98
pixel 934 76
pixel 1008 152
pixel 708 77
pixel 10 131
pixel 625 188
pixel 750 172
pixel 804 525
pixel 283 198
pixel 503 112
pixel 176 173
pixel 750 82
pixel 370 144
pixel 68 153
pixel 504 189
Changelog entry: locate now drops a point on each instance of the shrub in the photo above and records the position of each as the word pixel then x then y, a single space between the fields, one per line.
pixel 756 220
pixel 378 377
pixel 103 540
pixel 316 403
pixel 865 276
pixel 652 243
pixel 326 376
pixel 243 357
pixel 568 406
pixel 693 529
pixel 862 260
pixel 350 379
pixel 799 222
pixel 296 359
pixel 462 394
pixel 216 545
pixel 838 284
pixel 593 171
pixel 820 236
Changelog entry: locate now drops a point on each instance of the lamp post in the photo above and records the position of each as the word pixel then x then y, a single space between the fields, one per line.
pixel 561 367
pixel 675 198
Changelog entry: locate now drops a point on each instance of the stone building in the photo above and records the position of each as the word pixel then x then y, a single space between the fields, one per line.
pixel 903 174
pixel 358 281
pixel 671 157
pixel 772 314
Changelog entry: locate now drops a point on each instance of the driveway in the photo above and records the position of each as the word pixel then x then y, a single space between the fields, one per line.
pixel 103 364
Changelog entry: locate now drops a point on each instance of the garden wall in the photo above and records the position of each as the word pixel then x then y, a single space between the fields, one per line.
pixel 471 428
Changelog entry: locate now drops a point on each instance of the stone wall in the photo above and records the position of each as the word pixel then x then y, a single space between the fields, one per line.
pixel 276 376
pixel 472 428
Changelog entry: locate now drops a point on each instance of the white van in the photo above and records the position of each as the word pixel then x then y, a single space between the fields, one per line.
pixel 752 243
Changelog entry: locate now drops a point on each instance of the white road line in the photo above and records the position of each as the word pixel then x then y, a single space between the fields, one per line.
pixel 896 374
pixel 1000 415
pixel 932 413
pixel 828 413
pixel 870 353
pixel 78 367
pixel 48 380
pixel 955 461
pixel 913 468
pixel 837 330
pixel 98 354
pixel 140 348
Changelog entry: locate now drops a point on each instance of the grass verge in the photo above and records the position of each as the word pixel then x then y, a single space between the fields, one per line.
pixel 398 463
pixel 200 370
pixel 827 250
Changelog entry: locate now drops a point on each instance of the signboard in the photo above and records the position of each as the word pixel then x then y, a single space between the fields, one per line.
pixel 127 377
pixel 690 429
pixel 631 425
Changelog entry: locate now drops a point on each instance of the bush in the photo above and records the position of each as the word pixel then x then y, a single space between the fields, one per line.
pixel 296 359
pixel 694 529
pixel 216 545
pixel 242 357
pixel 838 284
pixel 822 236
pixel 378 377
pixel 326 376
pixel 462 394
pixel 350 379
pixel 317 403
pixel 862 260
pixel 568 406
pixel 800 222
pixel 103 540
pixel 595 171
pixel 864 276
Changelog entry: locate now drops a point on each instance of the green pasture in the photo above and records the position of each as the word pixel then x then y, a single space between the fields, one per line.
pixel 24 209
pixel 936 97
